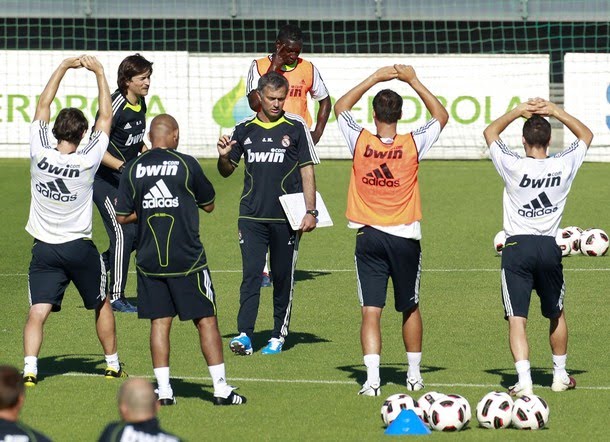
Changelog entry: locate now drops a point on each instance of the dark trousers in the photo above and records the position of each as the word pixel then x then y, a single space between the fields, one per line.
pixel 122 238
pixel 282 242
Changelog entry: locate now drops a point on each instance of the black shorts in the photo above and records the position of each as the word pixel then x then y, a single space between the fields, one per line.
pixel 380 256
pixel 189 297
pixel 53 266
pixel 531 262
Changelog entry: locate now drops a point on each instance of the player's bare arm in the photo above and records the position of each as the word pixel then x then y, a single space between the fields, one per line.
pixel 208 208
pixel 309 192
pixel 322 119
pixel 578 128
pixel 43 108
pixel 127 219
pixel 349 100
pixel 493 131
pixel 112 162
pixel 104 120
pixel 224 146
pixel 434 106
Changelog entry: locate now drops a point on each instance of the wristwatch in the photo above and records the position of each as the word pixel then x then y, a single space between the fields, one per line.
pixel 312 212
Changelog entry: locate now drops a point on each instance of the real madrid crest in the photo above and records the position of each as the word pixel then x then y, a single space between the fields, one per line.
pixel 286 141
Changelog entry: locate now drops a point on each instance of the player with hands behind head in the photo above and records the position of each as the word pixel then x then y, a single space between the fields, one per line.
pixel 383 203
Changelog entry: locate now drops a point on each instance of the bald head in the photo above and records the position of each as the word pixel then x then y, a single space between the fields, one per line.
pixel 137 400
pixel 164 132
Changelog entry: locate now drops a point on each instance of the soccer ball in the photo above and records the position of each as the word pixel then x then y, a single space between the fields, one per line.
pixel 530 412
pixel 427 399
pixel 572 234
pixel 421 414
pixel 447 414
pixel 394 404
pixel 495 410
pixel 564 243
pixel 465 405
pixel 594 242
pixel 499 241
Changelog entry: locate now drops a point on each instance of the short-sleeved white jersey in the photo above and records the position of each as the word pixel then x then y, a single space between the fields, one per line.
pixel 61 208
pixel 318 89
pixel 424 138
pixel 536 190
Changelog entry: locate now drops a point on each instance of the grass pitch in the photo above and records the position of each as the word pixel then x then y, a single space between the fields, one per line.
pixel 309 391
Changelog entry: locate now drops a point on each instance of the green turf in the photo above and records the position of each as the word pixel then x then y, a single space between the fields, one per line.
pixel 309 391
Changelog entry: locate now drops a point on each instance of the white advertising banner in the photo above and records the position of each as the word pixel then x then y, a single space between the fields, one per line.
pixel 476 89
pixel 206 94
pixel 24 74
pixel 587 97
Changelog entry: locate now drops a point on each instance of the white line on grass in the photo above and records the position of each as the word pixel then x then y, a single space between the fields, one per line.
pixel 305 381
pixel 352 270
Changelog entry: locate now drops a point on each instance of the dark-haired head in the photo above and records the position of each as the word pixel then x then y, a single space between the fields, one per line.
pixel 129 68
pixel 11 386
pixel 70 125
pixel 387 106
pixel 537 131
pixel 290 32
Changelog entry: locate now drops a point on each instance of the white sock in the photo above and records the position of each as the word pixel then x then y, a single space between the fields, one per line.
pixel 113 361
pixel 219 378
pixel 162 375
pixel 523 370
pixel 559 365
pixel 414 360
pixel 30 365
pixel 372 368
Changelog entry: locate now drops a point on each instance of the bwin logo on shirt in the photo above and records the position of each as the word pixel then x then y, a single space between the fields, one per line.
pixel 168 168
pixel 266 157
pixel 551 180
pixel 134 139
pixel 159 196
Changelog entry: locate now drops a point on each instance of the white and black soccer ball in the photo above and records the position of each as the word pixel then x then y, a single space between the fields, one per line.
pixel 465 405
pixel 495 410
pixel 427 399
pixel 499 242
pixel 394 404
pixel 564 243
pixel 530 412
pixel 421 414
pixel 594 242
pixel 447 414
pixel 572 234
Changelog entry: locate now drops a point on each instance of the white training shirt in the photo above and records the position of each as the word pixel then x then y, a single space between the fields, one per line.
pixel 424 138
pixel 61 208
pixel 318 89
pixel 536 190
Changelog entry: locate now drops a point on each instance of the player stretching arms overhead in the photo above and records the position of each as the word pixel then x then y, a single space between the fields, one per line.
pixel 387 215
pixel 61 217
pixel 536 188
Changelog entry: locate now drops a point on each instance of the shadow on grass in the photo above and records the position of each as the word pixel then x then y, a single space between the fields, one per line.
pixel 388 372
pixel 59 365
pixel 188 389
pixel 260 339
pixel 304 275
pixel 540 376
